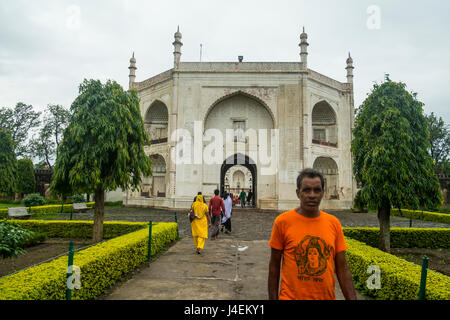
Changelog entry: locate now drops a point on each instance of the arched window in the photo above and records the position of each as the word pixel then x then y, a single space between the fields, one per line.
pixel 156 122
pixel 324 125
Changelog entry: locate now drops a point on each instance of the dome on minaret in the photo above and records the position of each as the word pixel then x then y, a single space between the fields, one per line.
pixel 349 59
pixel 303 35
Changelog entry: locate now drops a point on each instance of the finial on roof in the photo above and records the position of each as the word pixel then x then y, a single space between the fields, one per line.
pixel 349 69
pixel 177 44
pixel 132 75
pixel 304 49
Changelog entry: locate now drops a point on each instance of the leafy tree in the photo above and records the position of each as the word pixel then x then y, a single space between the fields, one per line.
pixel 391 158
pixel 103 146
pixel 440 143
pixel 19 121
pixel 26 182
pixel 8 163
pixel 45 145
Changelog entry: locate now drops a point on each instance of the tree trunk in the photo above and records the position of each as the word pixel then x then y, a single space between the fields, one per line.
pixel 99 212
pixel 384 215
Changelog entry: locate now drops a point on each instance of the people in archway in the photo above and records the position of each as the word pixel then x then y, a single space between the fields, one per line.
pixel 226 220
pixel 308 248
pixel 249 197
pixel 242 197
pixel 200 223
pixel 216 208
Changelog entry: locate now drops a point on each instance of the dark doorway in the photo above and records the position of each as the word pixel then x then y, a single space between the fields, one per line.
pixel 239 159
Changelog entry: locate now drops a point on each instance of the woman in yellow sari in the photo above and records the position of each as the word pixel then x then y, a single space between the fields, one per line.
pixel 200 223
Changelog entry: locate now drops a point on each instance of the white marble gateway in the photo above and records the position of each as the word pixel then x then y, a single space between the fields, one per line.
pixel 245 125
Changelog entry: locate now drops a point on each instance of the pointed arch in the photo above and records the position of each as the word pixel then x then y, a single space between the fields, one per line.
pixel 244 94
pixel 324 124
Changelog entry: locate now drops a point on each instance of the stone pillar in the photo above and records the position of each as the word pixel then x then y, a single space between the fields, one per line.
pixel 132 75
pixel 177 49
pixel 304 49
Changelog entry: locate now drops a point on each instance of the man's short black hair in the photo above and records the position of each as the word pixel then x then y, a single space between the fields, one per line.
pixel 309 173
pixel 216 192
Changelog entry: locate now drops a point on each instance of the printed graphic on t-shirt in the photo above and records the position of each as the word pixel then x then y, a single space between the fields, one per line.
pixel 311 255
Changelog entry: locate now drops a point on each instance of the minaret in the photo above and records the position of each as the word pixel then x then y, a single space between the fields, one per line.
pixel 177 48
pixel 304 49
pixel 132 75
pixel 349 69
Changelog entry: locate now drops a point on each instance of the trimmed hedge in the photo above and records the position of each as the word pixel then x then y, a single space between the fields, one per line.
pixel 400 279
pixel 101 266
pixel 422 215
pixel 80 229
pixel 403 237
pixel 56 208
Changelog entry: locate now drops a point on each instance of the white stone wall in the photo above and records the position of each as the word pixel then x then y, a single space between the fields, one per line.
pixel 265 96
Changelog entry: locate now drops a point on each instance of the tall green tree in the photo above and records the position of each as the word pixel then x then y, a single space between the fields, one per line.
pixel 44 146
pixel 103 146
pixel 19 122
pixel 8 163
pixel 391 158
pixel 440 143
pixel 26 183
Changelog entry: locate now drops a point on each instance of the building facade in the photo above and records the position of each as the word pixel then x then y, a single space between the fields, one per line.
pixel 244 125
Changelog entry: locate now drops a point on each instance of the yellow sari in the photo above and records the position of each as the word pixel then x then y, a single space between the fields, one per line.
pixel 199 225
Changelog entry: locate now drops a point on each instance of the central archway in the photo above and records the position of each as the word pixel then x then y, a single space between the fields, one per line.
pixel 243 160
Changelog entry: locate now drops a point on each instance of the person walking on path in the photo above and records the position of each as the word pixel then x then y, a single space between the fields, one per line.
pixel 312 245
pixel 242 197
pixel 200 223
pixel 226 220
pixel 216 207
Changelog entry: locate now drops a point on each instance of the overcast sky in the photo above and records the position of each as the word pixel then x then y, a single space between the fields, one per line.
pixel 47 47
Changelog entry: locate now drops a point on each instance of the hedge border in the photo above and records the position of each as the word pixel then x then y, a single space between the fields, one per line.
pixel 400 279
pixel 53 208
pixel 433 238
pixel 113 258
pixel 422 215
pixel 80 228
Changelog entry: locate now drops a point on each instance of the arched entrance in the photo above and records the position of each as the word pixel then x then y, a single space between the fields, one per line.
pixel 329 169
pixel 155 186
pixel 245 161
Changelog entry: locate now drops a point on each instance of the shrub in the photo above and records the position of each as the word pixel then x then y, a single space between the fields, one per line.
pixel 67 208
pixel 79 229
pixel 101 266
pixel 403 237
pixel 13 238
pixel 400 279
pixel 422 215
pixel 78 198
pixel 34 199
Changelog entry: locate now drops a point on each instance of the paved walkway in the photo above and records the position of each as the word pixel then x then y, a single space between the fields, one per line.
pixel 227 270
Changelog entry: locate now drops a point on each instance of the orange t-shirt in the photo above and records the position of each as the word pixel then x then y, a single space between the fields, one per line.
pixel 309 247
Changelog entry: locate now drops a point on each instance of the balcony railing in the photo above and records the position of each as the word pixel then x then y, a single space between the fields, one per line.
pixel 157 141
pixel 324 143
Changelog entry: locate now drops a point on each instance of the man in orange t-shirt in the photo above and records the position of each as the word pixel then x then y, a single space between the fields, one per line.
pixel 312 245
